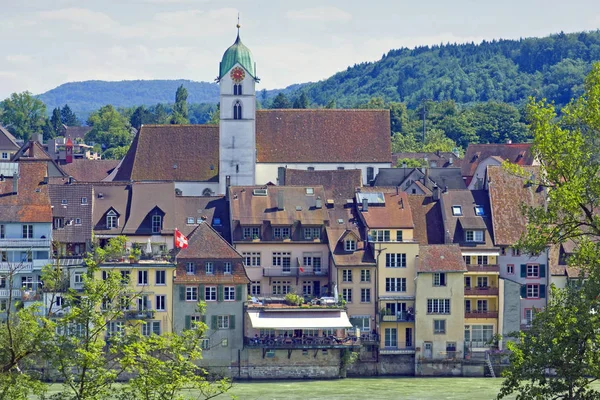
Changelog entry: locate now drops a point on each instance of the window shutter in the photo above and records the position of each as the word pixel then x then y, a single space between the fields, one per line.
pixel 203 318
pixel 443 279
pixel 542 291
pixel 542 270
pixel 220 293
pixel 232 322
pixel 213 322
pixel 201 292
pixel 523 270
pixel 188 322
pixel 523 292
pixel 238 293
pixel 182 293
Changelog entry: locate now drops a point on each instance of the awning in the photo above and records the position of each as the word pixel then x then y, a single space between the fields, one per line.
pixel 480 253
pixel 299 320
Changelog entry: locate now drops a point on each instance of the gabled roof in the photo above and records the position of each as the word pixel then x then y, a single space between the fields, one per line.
pixel 323 136
pixel 427 217
pixel 441 158
pixel 338 184
pixel 449 178
pixel 508 193
pixel 517 153
pixel 7 140
pixel 172 153
pixel 107 196
pixel 32 150
pixel 31 203
pixel 441 258
pixel 83 170
pixel 74 208
pixel 394 213
pixel 147 199
pixel 75 132
pixel 214 208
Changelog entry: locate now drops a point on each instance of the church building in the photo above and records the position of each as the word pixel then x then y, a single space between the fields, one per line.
pixel 254 147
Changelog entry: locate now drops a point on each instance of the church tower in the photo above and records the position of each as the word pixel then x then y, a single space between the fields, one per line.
pixel 237 126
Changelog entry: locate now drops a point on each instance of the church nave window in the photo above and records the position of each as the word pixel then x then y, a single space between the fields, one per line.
pixel 237 110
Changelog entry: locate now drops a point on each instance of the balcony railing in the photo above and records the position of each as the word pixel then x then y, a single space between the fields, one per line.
pixel 483 268
pixel 403 348
pixel 481 314
pixel 481 291
pixel 16 266
pixel 306 342
pixel 401 316
pixel 16 293
pixel 25 243
pixel 295 271
pixel 139 314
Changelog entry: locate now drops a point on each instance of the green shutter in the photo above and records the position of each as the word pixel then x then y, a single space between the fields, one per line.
pixel 232 322
pixel 523 270
pixel 542 270
pixel 213 322
pixel 542 291
pixel 220 293
pixel 238 293
pixel 182 293
pixel 201 292
pixel 203 318
pixel 523 291
pixel 188 322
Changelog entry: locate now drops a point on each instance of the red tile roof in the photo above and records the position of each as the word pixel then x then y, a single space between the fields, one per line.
pixel 427 216
pixel 31 203
pixel 395 213
pixel 517 153
pixel 441 258
pixel 338 184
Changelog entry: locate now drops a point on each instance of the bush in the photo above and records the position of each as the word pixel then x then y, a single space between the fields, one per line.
pixel 293 299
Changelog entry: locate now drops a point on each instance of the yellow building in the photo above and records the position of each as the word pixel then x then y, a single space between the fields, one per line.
pixel 151 282
pixel 389 224
pixel 439 303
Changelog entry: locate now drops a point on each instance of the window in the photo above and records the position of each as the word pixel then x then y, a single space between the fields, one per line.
pixel 516 252
pixel 227 268
pixel 439 279
pixel 533 291
pixel 161 277
pixel 2 232
pixel 347 295
pixel 482 260
pixel 191 293
pixel 84 201
pixel 281 287
pixel 59 301
pixel 482 306
pixel 3 305
pixel 156 223
pixel 365 275
pixel 125 277
pixel 528 315
pixel 210 268
pixel 346 275
pixel 467 260
pixel 112 220
pixel 161 302
pixel 194 321
pixel 210 293
pixel 5 156
pixel 395 260
pixel 104 275
pixel 64 202
pixel 365 295
pixel 2 281
pixel 78 277
pixel 438 306
pixel 222 321
pixel 190 220
pixel 190 268
pixel 533 271
pixel 502 251
pixel 254 289
pixel 251 259
pixel 439 326
pixel 142 277
pixel 143 303
pixel 237 89
pixel 229 293
pixel 115 328
pixel 27 231
pixel 350 245
pixel 467 306
pixel 237 110
pixel 482 282
pixel 312 233
pixel 480 334
pixel 479 211
pixel 391 337
pixel 27 282
pixel 340 168
pixel 456 211
pixel 151 327
pixel 307 288
pixel 77 221
pixel 216 221
pixel 370 174
pixel 379 235
pixel 398 236
pixel 310 168
pixel 283 260
pixel 395 284
pixel 251 232
pixel 59 222
pixel 309 260
pixel 281 233
pixel 510 269
pixel 474 236
pixel 362 323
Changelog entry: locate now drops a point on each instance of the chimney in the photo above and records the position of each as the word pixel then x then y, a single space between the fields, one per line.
pixel 451 160
pixel 397 190
pixel 318 203
pixel 38 137
pixel 16 183
pixel 436 193
pixel 69 180
pixel 227 184
pixel 427 182
pixel 280 205
pixel 437 153
pixel 401 203
pixel 404 164
pixel 365 204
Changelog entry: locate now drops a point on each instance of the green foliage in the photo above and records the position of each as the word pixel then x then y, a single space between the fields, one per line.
pixel 301 101
pixel 281 101
pixel 410 163
pixel 180 109
pixel 294 299
pixel 68 117
pixel 23 114
pixel 109 128
pixel 56 122
pixel 115 153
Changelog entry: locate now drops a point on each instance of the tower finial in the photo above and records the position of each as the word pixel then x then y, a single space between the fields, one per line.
pixel 238 24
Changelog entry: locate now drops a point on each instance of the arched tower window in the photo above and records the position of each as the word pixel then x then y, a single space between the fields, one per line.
pixel 237 89
pixel 237 110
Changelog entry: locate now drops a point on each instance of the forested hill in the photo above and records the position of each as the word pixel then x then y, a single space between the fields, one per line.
pixel 504 70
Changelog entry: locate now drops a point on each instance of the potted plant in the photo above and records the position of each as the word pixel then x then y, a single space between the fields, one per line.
pixel 255 238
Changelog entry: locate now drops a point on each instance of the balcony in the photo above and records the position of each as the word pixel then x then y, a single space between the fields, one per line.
pixel 16 266
pixel 306 342
pixel 16 293
pixel 294 271
pixel 481 291
pixel 401 316
pixel 481 314
pixel 24 243
pixel 30 295
pixel 485 268
pixel 139 314
pixel 390 350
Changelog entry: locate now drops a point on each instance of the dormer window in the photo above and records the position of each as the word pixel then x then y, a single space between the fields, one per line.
pixel 210 268
pixel 237 110
pixel 190 220
pixel 479 211
pixel 457 211
pixel 190 268
pixel 112 221
pixel 281 233
pixel 350 245
pixel 156 223
pixel 474 236
pixel 237 89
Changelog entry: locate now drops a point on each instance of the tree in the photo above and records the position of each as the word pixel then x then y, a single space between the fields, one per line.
pixel 109 128
pixel 68 117
pixel 160 114
pixel 436 140
pixel 180 109
pixel 564 337
pixel 301 101
pixel 23 114
pixel 115 153
pixel 410 163
pixel 140 117
pixel 56 121
pixel 281 101
pixel 215 116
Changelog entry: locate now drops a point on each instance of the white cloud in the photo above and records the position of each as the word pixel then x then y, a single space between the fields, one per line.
pixel 80 19
pixel 320 14
pixel 19 58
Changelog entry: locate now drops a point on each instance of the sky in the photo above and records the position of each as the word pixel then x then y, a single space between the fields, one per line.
pixel 45 43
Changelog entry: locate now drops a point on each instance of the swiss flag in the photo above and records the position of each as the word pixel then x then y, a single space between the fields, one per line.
pixel 181 242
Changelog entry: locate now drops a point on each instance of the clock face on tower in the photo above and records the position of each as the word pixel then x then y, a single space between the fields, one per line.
pixel 237 74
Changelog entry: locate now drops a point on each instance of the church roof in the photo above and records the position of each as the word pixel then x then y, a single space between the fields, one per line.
pixel 237 53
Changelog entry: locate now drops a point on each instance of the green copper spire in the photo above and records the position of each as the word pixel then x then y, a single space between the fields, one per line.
pixel 237 53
